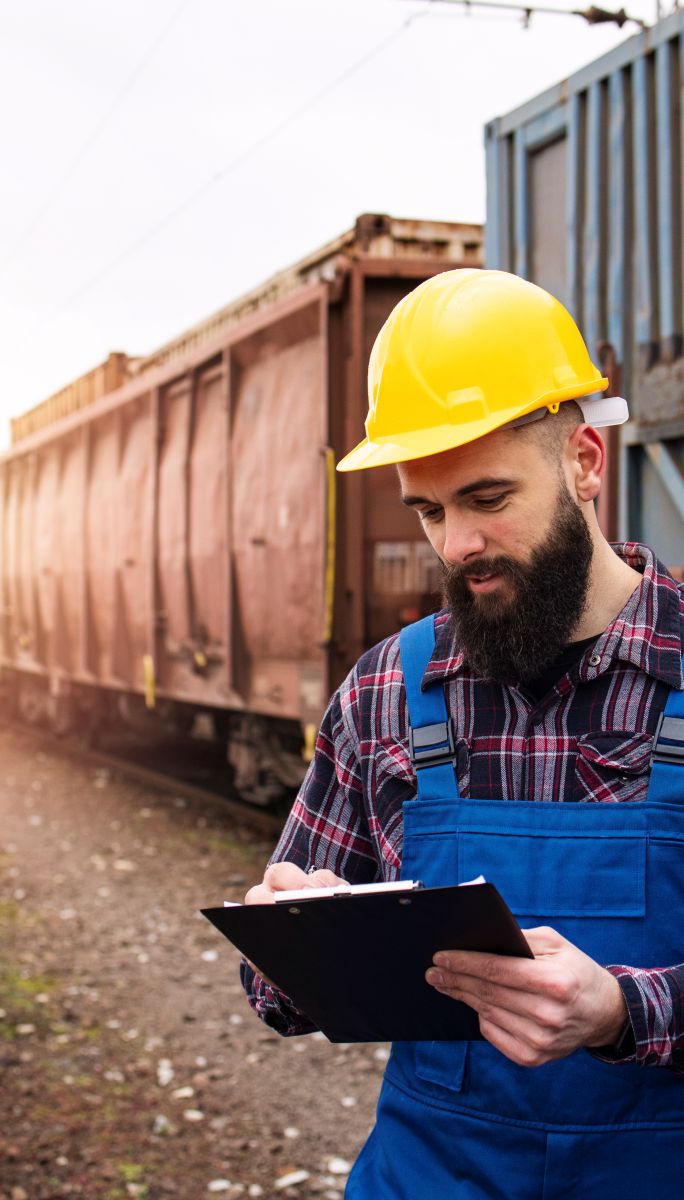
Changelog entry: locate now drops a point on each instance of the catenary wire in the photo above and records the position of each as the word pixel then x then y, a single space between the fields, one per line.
pixel 592 15
pixel 231 167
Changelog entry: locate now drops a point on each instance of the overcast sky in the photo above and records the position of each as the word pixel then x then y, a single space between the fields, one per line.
pixel 160 157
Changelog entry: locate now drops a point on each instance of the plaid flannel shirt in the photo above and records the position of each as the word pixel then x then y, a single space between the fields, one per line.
pixel 588 739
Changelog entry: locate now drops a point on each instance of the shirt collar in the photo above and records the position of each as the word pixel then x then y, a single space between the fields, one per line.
pixel 648 633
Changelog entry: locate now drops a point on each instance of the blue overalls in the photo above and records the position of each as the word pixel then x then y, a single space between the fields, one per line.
pixel 459 1120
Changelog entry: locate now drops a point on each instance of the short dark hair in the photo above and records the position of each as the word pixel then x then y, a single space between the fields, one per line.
pixel 554 430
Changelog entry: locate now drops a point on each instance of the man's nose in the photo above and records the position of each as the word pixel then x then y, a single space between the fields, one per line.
pixel 463 541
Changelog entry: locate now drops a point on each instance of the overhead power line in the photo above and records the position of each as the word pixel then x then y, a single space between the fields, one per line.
pixel 91 139
pixel 592 15
pixel 235 164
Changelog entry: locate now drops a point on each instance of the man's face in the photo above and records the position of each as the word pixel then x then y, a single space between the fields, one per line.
pixel 515 547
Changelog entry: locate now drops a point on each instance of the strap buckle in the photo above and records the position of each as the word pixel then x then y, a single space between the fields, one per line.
pixel 432 745
pixel 668 743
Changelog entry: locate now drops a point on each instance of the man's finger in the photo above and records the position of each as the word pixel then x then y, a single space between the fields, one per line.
pixel 277 878
pixel 282 876
pixel 321 878
pixel 521 1036
pixel 260 895
pixel 482 993
pixel 518 1052
pixel 505 969
pixel 519 973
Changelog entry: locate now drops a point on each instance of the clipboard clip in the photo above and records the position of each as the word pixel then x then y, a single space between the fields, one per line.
pixel 432 745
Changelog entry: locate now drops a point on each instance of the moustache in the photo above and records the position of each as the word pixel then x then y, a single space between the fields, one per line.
pixel 502 565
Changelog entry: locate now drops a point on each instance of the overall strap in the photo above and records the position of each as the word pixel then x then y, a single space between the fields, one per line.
pixel 431 739
pixel 667 761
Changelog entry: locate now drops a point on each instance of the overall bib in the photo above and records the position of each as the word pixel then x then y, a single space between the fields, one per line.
pixel 458 1119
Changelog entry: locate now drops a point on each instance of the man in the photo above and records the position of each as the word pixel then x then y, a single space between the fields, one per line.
pixel 541 687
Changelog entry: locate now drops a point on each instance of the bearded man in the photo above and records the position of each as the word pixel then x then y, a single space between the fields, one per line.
pixel 551 686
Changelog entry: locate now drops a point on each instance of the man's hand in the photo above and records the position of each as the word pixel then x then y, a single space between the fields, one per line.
pixel 535 1010
pixel 283 877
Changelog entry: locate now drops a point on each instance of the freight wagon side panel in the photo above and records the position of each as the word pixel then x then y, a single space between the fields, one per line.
pixel 43 559
pixel 116 549
pixel 207 523
pixel 132 544
pixel 584 196
pixel 44 509
pixel 402 569
pixel 68 556
pixel 102 499
pixel 191 538
pixel 17 565
pixel 278 472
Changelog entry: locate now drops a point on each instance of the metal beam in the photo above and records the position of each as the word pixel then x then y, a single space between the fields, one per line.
pixel 668 473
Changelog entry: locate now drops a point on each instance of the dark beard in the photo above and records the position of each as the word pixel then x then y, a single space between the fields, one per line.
pixel 516 637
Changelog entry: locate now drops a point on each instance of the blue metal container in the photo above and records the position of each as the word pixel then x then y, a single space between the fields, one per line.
pixel 584 196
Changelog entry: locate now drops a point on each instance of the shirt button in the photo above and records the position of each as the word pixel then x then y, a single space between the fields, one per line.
pixel 594 660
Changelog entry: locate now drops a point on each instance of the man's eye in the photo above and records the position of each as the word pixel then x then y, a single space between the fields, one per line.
pixel 430 514
pixel 491 501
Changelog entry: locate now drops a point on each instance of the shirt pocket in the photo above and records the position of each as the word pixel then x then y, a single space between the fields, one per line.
pixel 391 761
pixel 613 767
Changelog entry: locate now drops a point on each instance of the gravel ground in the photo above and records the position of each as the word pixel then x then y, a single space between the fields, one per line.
pixel 131 1063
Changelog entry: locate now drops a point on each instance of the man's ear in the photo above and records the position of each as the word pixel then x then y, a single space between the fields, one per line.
pixel 586 460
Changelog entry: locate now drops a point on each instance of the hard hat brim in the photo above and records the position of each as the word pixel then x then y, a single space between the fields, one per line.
pixel 382 452
pixel 403 447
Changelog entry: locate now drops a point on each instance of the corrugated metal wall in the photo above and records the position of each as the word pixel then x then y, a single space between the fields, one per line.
pixel 584 196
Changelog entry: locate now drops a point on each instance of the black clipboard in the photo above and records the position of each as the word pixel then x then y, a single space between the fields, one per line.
pixel 355 964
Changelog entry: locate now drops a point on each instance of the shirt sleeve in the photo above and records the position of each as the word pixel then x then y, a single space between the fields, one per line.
pixel 327 828
pixel 655 1004
pixel 272 1006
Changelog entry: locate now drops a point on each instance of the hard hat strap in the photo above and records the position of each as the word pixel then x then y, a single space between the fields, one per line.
pixel 527 419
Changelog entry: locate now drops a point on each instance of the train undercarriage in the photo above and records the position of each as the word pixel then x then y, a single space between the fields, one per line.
pixel 265 755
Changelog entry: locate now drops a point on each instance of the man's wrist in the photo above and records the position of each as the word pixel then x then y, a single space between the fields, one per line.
pixel 615 1024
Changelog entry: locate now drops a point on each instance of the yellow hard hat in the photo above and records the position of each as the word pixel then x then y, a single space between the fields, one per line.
pixel 463 354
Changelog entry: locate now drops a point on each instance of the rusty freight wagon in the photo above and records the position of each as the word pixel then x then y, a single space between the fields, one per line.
pixel 584 196
pixel 174 537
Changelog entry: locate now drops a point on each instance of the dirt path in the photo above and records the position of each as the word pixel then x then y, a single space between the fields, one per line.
pixel 131 1063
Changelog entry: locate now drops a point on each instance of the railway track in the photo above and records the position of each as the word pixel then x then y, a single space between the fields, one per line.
pixel 186 758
